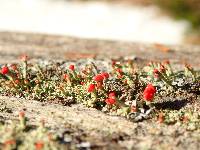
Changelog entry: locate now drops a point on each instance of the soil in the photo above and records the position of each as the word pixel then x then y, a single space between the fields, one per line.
pixel 88 126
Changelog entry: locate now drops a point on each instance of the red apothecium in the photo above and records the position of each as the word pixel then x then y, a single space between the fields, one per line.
pixel 105 75
pixel 91 88
pixel 110 101
pixel 71 67
pixel 98 78
pixel 149 92
pixel 4 70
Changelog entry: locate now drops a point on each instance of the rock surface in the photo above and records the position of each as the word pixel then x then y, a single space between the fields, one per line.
pixel 101 130
pixel 61 47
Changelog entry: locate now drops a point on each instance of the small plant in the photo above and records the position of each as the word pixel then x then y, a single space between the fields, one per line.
pixel 20 135
pixel 123 90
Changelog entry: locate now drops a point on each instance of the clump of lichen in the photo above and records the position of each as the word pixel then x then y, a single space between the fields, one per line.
pixel 123 89
pixel 20 135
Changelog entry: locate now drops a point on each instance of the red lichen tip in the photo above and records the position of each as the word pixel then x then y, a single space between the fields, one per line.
pixel 166 62
pixel 150 88
pixel 21 114
pixel 17 81
pixel 156 73
pixel 10 142
pixel 119 70
pixel 39 145
pixel 65 76
pixel 91 88
pixel 149 92
pixel 111 95
pixel 105 75
pixel 160 117
pixel 4 70
pixel 71 67
pixel 24 57
pixel 98 78
pixel 14 67
pixel 162 68
pixel 110 101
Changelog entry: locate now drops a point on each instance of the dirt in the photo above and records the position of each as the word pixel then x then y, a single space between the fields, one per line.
pixel 102 131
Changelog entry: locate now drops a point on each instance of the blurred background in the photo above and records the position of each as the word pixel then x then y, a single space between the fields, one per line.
pixel 146 21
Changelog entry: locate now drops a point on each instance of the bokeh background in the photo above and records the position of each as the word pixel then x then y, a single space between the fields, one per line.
pixel 146 21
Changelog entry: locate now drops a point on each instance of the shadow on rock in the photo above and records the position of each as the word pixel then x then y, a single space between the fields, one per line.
pixel 172 105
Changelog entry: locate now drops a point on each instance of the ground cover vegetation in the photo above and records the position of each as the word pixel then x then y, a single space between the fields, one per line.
pixel 117 87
